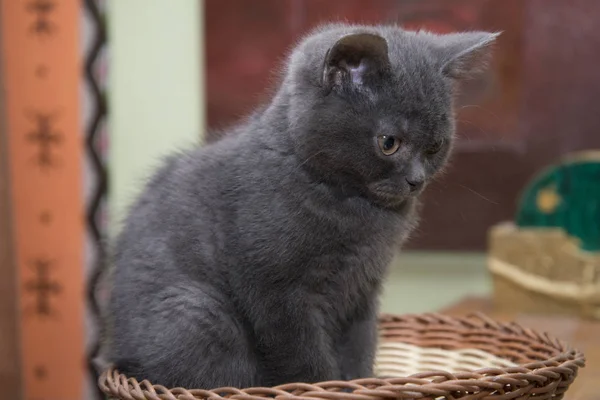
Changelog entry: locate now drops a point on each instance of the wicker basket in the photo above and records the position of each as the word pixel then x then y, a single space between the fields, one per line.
pixel 422 357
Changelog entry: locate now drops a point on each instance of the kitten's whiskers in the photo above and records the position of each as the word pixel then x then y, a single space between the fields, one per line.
pixel 478 194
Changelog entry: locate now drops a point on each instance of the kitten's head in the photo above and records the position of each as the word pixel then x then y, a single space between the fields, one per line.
pixel 371 107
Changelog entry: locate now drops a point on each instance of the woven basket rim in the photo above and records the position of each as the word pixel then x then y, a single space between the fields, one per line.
pixel 553 374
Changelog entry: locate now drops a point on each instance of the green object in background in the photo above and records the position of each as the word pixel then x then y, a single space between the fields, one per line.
pixel 566 196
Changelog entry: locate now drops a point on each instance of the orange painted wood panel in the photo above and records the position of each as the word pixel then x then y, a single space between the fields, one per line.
pixel 42 79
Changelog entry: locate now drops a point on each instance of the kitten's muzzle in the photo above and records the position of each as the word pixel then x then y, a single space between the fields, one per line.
pixel 415 185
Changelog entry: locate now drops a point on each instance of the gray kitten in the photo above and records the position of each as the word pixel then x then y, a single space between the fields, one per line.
pixel 258 260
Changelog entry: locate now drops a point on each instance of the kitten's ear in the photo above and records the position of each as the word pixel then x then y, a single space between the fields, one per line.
pixel 354 60
pixel 466 54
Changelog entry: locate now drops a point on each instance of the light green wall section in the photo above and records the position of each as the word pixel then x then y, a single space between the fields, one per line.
pixel 429 281
pixel 156 93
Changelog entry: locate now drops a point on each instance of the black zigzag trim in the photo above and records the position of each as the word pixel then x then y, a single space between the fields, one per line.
pixel 100 191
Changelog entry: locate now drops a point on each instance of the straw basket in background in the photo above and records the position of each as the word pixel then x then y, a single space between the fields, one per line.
pixel 548 260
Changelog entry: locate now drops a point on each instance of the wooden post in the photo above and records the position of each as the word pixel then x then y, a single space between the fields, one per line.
pixel 10 377
pixel 42 79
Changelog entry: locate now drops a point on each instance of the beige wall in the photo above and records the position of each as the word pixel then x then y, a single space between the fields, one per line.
pixel 156 92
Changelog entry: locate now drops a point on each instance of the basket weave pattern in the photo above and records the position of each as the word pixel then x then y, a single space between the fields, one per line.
pixel 520 364
pixel 397 359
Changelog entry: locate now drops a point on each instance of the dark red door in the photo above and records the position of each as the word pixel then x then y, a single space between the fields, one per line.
pixel 536 103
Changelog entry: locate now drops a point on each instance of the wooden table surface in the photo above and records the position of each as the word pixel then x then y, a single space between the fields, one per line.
pixel 581 334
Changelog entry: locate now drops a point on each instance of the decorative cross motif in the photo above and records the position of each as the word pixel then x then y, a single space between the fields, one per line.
pixel 41 9
pixel 45 137
pixel 43 287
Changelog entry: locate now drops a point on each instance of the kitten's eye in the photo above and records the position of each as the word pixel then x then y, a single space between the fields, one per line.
pixel 435 147
pixel 388 144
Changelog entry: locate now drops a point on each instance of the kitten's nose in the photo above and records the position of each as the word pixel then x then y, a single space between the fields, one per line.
pixel 414 184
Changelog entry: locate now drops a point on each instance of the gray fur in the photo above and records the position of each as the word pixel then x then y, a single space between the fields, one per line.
pixel 258 260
